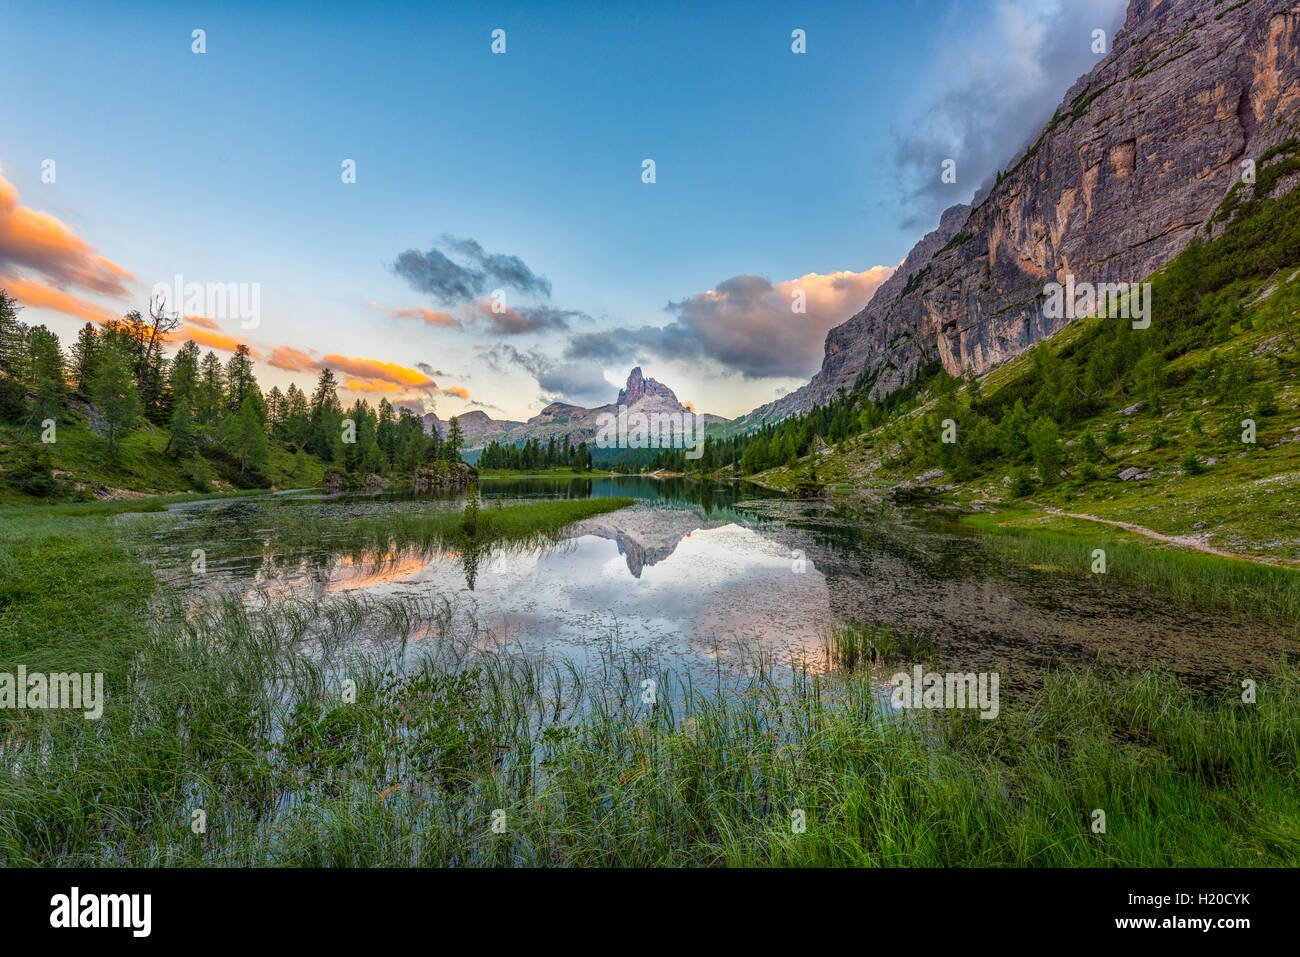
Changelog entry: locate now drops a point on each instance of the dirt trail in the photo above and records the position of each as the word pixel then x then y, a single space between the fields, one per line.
pixel 1186 541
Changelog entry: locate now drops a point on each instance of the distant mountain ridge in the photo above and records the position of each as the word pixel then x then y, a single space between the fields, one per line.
pixel 1138 158
pixel 559 419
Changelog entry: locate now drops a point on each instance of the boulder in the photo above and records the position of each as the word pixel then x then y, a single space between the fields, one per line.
pixel 335 481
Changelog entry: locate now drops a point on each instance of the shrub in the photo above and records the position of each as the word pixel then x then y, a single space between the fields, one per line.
pixel 31 472
pixel 12 406
pixel 1022 482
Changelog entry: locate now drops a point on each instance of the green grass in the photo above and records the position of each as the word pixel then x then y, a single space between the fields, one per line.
pixel 1237 587
pixel 860 645
pixel 241 712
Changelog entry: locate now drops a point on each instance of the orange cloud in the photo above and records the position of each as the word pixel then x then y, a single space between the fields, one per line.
pixel 204 322
pixel 428 316
pixel 371 385
pixel 291 359
pixel 362 375
pixel 32 293
pixel 39 241
pixel 375 370
pixel 211 337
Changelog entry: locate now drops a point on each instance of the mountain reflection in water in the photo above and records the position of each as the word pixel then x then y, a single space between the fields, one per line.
pixel 701 574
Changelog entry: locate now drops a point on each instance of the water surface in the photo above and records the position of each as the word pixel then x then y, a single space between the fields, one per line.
pixel 703 575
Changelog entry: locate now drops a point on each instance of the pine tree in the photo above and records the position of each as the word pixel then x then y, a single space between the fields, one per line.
pixel 85 357
pixel 239 378
pixel 455 440
pixel 183 376
pixel 11 336
pixel 180 442
pixel 45 374
pixel 1044 445
pixel 245 438
pixel 115 396
pixel 210 389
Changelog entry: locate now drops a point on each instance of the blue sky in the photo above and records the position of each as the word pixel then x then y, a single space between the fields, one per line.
pixel 225 167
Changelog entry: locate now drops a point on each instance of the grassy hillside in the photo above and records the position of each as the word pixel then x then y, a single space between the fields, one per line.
pixel 1171 409
pixel 81 468
pixel 1245 494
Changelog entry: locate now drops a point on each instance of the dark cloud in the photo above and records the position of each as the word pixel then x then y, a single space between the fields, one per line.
pixel 999 98
pixel 416 405
pixel 746 324
pixel 434 273
pixel 487 405
pixel 578 383
pixel 515 322
pixel 506 270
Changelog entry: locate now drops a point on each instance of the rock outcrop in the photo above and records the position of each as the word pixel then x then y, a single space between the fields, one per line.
pixel 639 387
pixel 441 475
pixel 1137 159
pixel 335 481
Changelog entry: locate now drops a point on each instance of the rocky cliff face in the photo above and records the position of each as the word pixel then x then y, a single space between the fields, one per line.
pixel 639 387
pixel 1138 157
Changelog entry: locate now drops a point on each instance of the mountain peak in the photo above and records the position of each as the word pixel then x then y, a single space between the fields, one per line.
pixel 638 387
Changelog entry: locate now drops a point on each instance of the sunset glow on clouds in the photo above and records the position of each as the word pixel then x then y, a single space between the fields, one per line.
pixel 40 296
pixel 429 317
pixel 745 324
pixel 209 336
pixel 36 240
pixel 363 375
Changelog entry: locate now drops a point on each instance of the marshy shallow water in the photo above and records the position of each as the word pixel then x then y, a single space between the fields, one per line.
pixel 701 576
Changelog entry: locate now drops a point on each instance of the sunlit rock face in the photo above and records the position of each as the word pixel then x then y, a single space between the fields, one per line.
pixel 639 388
pixel 1139 156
